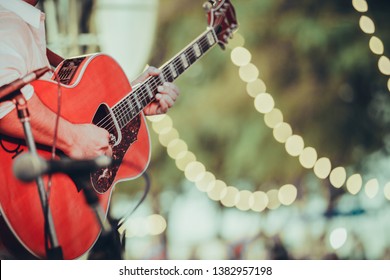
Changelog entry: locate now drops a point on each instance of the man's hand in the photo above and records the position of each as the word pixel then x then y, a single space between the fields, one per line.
pixel 166 96
pixel 89 141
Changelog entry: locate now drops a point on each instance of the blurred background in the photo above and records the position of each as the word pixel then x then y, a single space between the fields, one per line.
pixel 277 148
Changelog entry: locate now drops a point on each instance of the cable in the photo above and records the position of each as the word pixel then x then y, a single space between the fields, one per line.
pixel 53 154
pixel 131 211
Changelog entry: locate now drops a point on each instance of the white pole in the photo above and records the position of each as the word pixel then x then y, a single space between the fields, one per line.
pixel 126 30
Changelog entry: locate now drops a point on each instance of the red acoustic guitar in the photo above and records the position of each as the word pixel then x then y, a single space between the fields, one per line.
pixel 94 89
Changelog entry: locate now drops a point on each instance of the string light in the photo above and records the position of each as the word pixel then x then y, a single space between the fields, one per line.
pixel 244 201
pixel 142 226
pixel 376 46
pixel 258 201
pixel 256 87
pixel 338 237
pixel 194 171
pixel 273 199
pixel 338 176
pixel 287 194
pixel 294 145
pixel 206 183
pixel 176 147
pixel 231 197
pixel 249 73
pixel 372 188
pixel 264 103
pixel 282 131
pixel 386 191
pixel 308 157
pixel 184 159
pixel 367 25
pixel 273 118
pixel 360 5
pixel 322 168
pixel 354 183
pixel 240 56
pixel 218 191
pixel 155 224
pixel 384 65
pixel 388 84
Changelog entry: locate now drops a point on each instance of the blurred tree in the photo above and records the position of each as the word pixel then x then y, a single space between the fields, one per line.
pixel 317 65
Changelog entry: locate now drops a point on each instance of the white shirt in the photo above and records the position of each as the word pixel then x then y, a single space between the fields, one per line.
pixel 22 45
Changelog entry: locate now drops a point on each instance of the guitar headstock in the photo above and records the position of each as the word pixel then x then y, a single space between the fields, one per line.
pixel 222 17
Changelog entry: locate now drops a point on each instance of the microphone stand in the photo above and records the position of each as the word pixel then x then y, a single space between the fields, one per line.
pixel 55 251
pixel 108 245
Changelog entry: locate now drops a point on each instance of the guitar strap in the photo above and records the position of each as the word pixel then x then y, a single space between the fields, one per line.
pixel 54 58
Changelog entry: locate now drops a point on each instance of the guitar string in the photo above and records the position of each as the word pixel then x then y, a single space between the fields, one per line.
pixel 120 108
pixel 129 100
pixel 139 96
pixel 166 72
pixel 153 82
pixel 190 56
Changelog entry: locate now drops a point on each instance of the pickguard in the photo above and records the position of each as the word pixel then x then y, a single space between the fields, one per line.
pixel 103 179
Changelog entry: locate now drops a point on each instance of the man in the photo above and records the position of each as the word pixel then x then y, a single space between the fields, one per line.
pixel 23 50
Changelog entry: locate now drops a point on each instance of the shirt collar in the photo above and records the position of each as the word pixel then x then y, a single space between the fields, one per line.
pixel 27 12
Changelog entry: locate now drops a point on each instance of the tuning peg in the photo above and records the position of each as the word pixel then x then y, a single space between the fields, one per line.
pixel 222 46
pixel 207 6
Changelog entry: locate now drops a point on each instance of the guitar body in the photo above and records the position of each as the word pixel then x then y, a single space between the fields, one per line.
pixel 91 85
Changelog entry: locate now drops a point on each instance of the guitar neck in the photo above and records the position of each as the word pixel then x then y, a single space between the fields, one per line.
pixel 133 103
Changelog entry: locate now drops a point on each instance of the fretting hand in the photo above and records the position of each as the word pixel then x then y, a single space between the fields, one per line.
pixel 166 96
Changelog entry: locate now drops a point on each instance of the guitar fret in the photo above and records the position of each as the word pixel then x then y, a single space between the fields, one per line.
pixel 184 60
pixel 173 70
pixel 197 50
pixel 143 96
pixel 127 108
pixel 133 111
pixel 204 46
pixel 162 77
pixel 149 91
pixel 145 93
pixel 135 98
pixel 167 73
pixel 144 99
pixel 179 67
pixel 120 120
pixel 190 55
pixel 210 38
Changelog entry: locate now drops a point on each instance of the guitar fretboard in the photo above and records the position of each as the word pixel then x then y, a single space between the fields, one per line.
pixel 133 103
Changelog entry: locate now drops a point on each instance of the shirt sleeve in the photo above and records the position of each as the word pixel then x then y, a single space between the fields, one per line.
pixel 12 60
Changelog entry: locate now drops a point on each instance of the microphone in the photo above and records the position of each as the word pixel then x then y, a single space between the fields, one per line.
pixel 9 91
pixel 28 167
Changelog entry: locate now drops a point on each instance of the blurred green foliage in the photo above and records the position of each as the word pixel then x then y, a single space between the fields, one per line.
pixel 317 65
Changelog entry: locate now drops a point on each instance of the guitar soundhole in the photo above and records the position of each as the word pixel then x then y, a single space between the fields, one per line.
pixel 103 178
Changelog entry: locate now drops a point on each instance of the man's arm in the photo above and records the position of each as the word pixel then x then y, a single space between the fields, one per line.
pixel 75 140
pixel 54 58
